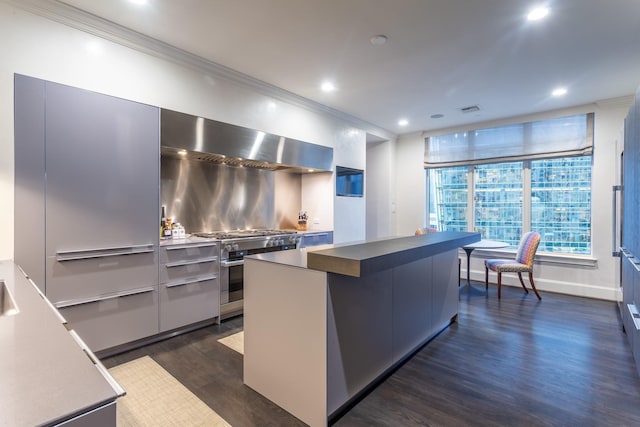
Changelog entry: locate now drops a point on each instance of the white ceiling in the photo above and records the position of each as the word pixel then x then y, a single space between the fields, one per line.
pixel 441 55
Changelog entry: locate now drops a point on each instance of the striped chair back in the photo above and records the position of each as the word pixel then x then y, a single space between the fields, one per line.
pixel 527 248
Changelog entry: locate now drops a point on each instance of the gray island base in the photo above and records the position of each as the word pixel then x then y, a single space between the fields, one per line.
pixel 316 339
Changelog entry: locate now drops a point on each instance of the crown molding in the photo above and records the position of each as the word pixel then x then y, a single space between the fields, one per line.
pixel 86 22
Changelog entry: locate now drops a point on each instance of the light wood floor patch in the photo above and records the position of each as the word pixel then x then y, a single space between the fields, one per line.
pixel 234 342
pixel 155 398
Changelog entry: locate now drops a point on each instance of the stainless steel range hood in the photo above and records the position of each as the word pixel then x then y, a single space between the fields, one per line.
pixel 223 143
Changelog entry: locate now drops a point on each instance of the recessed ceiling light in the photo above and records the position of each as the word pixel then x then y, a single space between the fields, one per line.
pixel 437 116
pixel 378 40
pixel 328 87
pixel 403 122
pixel 140 2
pixel 538 13
pixel 559 91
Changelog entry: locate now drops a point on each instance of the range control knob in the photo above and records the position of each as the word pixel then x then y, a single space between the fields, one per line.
pixel 236 246
pixel 228 248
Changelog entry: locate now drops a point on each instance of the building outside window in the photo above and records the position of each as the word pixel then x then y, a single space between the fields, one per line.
pixel 503 199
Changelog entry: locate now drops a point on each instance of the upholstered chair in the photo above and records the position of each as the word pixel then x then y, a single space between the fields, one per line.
pixel 522 264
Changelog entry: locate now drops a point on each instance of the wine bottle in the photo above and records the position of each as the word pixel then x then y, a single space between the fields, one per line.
pixel 163 222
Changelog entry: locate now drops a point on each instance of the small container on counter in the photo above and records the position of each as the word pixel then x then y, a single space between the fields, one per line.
pixel 178 231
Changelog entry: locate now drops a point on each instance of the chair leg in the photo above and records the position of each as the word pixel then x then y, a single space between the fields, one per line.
pixel 522 282
pixel 499 283
pixel 486 279
pixel 533 286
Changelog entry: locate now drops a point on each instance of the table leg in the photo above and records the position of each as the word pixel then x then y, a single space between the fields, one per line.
pixel 468 251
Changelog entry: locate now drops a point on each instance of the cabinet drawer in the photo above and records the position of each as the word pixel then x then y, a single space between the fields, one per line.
pixel 187 252
pixel 315 239
pixel 112 320
pixel 188 301
pixel 171 272
pixel 69 280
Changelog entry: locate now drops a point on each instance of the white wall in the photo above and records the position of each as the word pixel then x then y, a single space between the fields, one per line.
pixel 349 216
pixel 591 276
pixel 380 190
pixel 410 184
pixel 40 47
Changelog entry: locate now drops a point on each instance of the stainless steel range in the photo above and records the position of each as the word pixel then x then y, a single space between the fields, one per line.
pixel 234 246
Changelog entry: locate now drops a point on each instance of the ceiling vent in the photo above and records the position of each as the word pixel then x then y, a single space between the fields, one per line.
pixel 470 109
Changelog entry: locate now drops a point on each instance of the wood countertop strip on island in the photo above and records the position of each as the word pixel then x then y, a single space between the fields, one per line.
pixel 361 259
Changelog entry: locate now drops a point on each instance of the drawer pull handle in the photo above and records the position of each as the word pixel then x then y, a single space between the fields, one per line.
pixel 635 316
pixel 191 245
pixel 102 252
pixel 79 301
pixel 232 263
pixel 190 281
pixel 191 262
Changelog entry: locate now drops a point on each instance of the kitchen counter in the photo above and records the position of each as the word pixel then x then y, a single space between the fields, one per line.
pixel 358 259
pixel 323 324
pixel 365 258
pixel 46 377
pixel 188 240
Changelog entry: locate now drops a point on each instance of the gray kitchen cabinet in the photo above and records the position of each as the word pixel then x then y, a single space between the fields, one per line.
pixel 95 164
pixel 628 290
pixel 189 284
pixel 631 230
pixel 315 238
pixel 108 321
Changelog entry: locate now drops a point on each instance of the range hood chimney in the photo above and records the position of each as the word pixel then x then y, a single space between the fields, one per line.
pixel 218 142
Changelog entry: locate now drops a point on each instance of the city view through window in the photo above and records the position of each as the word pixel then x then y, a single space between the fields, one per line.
pixel 551 196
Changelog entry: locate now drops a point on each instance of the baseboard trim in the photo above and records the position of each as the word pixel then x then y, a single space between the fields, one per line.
pixel 606 293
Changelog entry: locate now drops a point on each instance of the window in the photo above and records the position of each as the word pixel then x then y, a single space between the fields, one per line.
pixel 448 201
pixel 497 195
pixel 504 181
pixel 559 205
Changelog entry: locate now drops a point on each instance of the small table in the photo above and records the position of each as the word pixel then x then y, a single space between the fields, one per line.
pixel 482 244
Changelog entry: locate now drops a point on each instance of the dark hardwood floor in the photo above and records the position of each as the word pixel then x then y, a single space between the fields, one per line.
pixel 562 361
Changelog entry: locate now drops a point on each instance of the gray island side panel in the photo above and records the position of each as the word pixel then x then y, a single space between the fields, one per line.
pixel 361 259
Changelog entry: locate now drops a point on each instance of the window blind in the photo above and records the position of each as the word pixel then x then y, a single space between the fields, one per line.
pixel 557 137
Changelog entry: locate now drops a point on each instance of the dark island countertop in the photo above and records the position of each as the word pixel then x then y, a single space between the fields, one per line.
pixel 358 259
pixel 364 258
pixel 46 377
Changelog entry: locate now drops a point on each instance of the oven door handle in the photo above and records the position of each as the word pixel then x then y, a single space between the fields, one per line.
pixel 231 263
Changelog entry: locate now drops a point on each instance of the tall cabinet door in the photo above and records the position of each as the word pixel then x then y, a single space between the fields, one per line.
pixel 102 190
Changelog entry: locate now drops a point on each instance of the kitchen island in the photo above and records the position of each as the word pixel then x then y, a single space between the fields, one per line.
pixel 46 376
pixel 323 325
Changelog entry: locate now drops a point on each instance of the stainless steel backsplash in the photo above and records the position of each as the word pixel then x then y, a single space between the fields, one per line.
pixel 205 196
